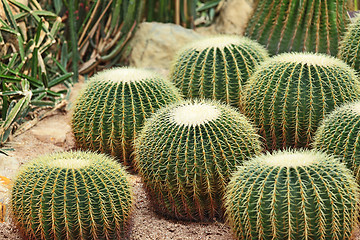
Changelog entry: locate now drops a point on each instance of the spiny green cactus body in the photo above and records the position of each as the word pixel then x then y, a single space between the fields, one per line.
pixel 74 195
pixel 299 26
pixel 186 153
pixel 349 50
pixel 290 94
pixel 113 108
pixel 216 67
pixel 339 134
pixel 292 195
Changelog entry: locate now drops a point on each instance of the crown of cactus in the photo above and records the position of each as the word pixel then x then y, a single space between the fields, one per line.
pixel 292 195
pixel 216 67
pixel 349 50
pixel 339 134
pixel 186 153
pixel 300 26
pixel 73 195
pixel 291 93
pixel 113 108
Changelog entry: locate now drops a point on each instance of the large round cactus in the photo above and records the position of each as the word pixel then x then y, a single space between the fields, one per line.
pixel 292 195
pixel 291 93
pixel 186 153
pixel 216 67
pixel 349 50
pixel 113 108
pixel 339 134
pixel 300 26
pixel 74 195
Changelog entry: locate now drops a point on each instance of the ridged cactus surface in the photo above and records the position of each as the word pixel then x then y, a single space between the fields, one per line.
pixel 349 50
pixel 186 153
pixel 292 195
pixel 113 107
pixel 217 67
pixel 299 26
pixel 291 93
pixel 339 134
pixel 74 195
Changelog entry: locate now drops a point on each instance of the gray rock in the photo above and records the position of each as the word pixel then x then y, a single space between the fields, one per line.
pixel 154 45
pixel 53 130
pixel 234 16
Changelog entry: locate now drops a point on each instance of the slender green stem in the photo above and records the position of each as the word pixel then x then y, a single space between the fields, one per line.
pixel 74 40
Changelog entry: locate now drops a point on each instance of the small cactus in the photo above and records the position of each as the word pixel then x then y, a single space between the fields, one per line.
pixel 216 67
pixel 291 93
pixel 339 134
pixel 349 50
pixel 186 153
pixel 113 108
pixel 292 195
pixel 74 195
pixel 298 26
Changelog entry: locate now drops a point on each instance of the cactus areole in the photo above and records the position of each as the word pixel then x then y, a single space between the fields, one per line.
pixel 292 195
pixel 73 195
pixel 216 67
pixel 290 94
pixel 186 153
pixel 298 26
pixel 113 107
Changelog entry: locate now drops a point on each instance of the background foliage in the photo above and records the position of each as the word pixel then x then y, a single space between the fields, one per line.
pixel 32 63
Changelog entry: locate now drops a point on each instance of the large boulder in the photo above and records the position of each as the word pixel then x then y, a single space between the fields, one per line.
pixel 155 44
pixel 233 16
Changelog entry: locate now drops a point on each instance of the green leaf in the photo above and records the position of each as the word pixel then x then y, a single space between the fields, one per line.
pixel 60 79
pixel 9 15
pixel 208 5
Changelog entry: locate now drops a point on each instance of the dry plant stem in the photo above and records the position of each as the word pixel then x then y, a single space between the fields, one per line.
pixel 29 124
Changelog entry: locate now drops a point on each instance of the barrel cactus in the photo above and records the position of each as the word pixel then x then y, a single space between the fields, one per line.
pixel 339 134
pixel 349 50
pixel 113 107
pixel 72 195
pixel 186 153
pixel 300 26
pixel 291 93
pixel 292 195
pixel 216 67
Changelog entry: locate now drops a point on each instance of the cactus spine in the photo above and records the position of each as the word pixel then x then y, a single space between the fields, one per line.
pixel 74 195
pixel 349 50
pixel 339 134
pixel 300 26
pixel 292 195
pixel 216 67
pixel 186 153
pixel 291 93
pixel 113 107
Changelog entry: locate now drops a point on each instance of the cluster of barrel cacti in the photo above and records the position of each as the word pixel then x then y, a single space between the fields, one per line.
pixel 203 158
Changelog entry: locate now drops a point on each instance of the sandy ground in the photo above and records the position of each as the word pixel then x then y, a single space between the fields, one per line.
pixel 54 134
